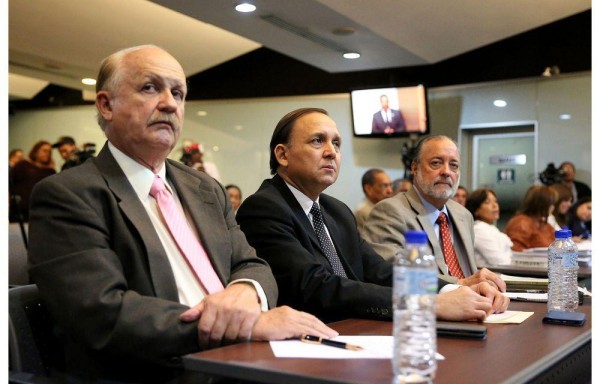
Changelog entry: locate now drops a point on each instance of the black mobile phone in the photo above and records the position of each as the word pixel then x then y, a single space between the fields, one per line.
pixel 449 329
pixel 564 318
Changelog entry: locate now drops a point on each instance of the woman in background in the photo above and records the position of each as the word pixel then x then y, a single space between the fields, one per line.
pixel 564 200
pixel 25 174
pixel 235 196
pixel 529 228
pixel 461 195
pixel 492 247
pixel 580 219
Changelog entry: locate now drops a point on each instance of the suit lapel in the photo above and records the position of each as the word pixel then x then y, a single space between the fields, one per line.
pixel 133 210
pixel 423 219
pixel 204 212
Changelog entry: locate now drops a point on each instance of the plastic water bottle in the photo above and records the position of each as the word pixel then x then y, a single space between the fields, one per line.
pixel 562 273
pixel 414 294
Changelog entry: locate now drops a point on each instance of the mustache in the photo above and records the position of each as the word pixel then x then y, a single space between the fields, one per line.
pixel 445 180
pixel 169 119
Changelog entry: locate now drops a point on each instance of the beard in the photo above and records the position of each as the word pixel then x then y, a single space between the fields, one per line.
pixel 437 193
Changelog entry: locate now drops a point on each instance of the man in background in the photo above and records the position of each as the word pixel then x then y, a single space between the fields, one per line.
pixel 139 258
pixel 376 185
pixel 387 120
pixel 321 263
pixel 428 207
pixel 70 153
pixel 401 185
pixel 578 189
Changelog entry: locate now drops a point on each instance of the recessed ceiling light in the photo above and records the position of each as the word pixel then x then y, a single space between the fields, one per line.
pixel 238 127
pixel 216 148
pixel 351 55
pixel 565 116
pixel 201 113
pixel 500 103
pixel 245 7
pixel 88 81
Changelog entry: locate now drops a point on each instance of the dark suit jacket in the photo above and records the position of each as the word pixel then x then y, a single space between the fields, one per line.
pixel 397 123
pixel 104 274
pixel 276 225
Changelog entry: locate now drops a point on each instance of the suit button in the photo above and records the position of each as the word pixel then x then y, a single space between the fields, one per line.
pixel 385 311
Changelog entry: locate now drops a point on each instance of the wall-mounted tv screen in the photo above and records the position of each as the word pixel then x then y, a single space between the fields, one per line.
pixel 390 112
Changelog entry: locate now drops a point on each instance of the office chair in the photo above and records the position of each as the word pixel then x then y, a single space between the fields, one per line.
pixel 35 350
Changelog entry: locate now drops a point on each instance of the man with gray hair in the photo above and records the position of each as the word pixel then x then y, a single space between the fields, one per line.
pixel 428 207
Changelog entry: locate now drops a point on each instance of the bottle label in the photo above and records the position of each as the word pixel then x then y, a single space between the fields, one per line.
pixel 415 281
pixel 569 260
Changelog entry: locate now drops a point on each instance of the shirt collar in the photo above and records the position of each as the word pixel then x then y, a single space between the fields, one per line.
pixel 430 209
pixel 305 202
pixel 139 177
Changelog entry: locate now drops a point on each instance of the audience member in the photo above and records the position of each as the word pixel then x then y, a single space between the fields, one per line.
pixel 578 189
pixel 461 195
pixel 564 199
pixel 235 196
pixel 580 219
pixel 492 247
pixel 111 272
pixel 387 120
pixel 401 185
pixel 376 185
pixel 310 239
pixel 193 156
pixel 25 175
pixel 14 157
pixel 70 153
pixel 428 207
pixel 529 228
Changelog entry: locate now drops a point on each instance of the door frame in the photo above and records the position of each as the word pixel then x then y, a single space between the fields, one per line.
pixel 466 133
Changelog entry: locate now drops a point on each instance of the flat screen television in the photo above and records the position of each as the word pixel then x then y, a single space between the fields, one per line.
pixel 406 114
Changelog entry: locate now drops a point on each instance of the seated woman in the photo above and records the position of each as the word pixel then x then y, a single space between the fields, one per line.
pixel 529 227
pixel 558 218
pixel 580 219
pixel 492 247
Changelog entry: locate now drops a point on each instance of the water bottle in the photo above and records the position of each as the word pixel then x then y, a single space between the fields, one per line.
pixel 414 294
pixel 562 273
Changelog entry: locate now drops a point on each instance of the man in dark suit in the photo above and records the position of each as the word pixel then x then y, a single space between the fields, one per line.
pixel 282 223
pixel 387 120
pixel 113 275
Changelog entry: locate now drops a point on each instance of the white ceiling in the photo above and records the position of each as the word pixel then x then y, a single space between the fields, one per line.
pixel 62 41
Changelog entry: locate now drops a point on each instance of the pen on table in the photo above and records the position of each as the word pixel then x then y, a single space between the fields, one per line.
pixel 338 344
pixel 525 291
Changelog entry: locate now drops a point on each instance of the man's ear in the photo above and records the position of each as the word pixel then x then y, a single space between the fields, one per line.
pixel 413 168
pixel 103 105
pixel 281 154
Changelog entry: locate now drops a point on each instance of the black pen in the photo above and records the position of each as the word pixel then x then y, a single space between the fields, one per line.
pixel 338 344
pixel 525 291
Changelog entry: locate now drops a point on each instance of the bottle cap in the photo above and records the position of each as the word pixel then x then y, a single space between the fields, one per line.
pixel 415 237
pixel 563 234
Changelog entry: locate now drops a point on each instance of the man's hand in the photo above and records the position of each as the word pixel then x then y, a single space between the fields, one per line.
pixel 463 303
pixel 284 323
pixel 485 275
pixel 499 301
pixel 227 316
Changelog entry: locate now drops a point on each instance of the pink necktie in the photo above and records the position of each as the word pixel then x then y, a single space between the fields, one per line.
pixel 448 248
pixel 186 240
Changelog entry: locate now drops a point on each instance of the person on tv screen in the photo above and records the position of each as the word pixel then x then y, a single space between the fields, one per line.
pixel 387 120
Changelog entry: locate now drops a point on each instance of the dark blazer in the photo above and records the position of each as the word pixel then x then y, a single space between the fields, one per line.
pixel 104 274
pixel 276 225
pixel 397 123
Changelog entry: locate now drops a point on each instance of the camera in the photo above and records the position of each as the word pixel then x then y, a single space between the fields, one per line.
pixel 79 157
pixel 551 175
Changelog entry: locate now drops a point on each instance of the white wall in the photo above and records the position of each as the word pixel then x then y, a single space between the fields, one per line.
pixel 241 129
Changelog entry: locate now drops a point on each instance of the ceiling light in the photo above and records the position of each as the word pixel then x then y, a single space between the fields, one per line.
pixel 215 148
pixel 88 81
pixel 565 116
pixel 351 55
pixel 201 113
pixel 245 7
pixel 500 103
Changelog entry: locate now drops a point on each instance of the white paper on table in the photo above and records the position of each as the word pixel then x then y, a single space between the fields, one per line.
pixel 374 347
pixel 523 279
pixel 508 317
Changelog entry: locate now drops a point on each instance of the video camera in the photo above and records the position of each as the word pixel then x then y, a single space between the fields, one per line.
pixel 551 175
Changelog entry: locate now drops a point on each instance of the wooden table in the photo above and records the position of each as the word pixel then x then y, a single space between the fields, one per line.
pixel 512 353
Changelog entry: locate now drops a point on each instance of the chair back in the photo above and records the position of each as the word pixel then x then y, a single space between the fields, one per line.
pixel 17 256
pixel 33 345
